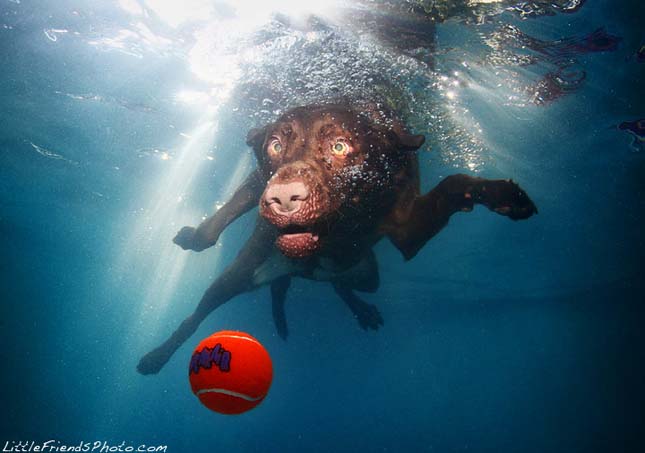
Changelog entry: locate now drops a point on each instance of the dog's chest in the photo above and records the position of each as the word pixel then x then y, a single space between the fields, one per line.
pixel 278 265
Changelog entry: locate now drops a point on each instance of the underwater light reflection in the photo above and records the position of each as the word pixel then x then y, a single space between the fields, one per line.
pixel 479 92
pixel 248 12
pixel 149 244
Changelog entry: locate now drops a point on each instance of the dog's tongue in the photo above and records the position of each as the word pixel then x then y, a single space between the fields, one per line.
pixel 298 245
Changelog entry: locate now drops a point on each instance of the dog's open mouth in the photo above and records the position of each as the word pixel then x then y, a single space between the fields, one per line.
pixel 297 241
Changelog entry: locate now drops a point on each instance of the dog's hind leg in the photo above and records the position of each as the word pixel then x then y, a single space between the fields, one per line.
pixel 367 314
pixel 236 279
pixel 364 276
pixel 279 288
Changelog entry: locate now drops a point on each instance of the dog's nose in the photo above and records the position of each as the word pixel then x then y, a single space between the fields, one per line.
pixel 286 199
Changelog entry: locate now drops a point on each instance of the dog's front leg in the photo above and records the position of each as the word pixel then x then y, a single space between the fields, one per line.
pixel 456 193
pixel 206 234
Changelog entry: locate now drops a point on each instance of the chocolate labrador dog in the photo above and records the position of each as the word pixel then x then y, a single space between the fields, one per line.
pixel 331 182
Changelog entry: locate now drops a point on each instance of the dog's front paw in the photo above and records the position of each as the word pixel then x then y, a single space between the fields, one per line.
pixel 185 238
pixel 188 238
pixel 508 199
pixel 152 362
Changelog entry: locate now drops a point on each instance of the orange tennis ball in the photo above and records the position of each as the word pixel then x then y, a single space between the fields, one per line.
pixel 230 372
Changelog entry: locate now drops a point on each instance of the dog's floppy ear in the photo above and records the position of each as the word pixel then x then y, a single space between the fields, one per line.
pixel 403 141
pixel 410 142
pixel 255 137
pixel 381 114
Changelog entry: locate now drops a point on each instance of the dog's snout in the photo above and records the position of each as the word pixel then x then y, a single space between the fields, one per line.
pixel 286 199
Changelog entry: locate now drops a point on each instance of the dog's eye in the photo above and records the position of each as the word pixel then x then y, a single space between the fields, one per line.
pixel 275 147
pixel 340 148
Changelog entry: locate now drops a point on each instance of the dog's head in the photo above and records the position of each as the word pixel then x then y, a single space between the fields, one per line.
pixel 330 171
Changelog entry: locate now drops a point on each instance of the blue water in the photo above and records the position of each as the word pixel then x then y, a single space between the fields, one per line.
pixel 121 122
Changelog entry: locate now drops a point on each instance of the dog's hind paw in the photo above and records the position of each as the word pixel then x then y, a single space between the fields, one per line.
pixel 368 316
